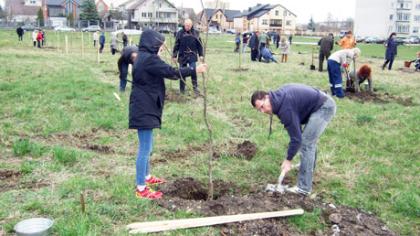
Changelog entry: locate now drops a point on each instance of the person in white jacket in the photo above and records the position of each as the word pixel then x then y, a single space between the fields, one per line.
pixel 34 34
pixel 335 61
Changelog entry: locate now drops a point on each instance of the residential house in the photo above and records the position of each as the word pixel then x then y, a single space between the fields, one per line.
pixel 55 13
pixel 186 13
pixel 217 18
pixel 23 10
pixel 400 16
pixel 266 17
pixel 160 15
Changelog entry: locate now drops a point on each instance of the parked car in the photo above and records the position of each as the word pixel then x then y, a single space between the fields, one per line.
pixel 91 28
pixel 400 40
pixel 412 40
pixel 28 27
pixel 214 31
pixel 128 31
pixel 360 39
pixel 231 31
pixel 64 29
pixel 374 39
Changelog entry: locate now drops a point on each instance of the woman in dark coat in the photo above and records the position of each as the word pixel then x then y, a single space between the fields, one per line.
pixel 391 51
pixel 147 101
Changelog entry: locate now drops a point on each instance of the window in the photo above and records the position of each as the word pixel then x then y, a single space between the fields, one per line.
pixel 403 29
pixel 32 1
pixel 417 18
pixel 265 22
pixel 276 12
pixel 415 30
pixel 391 16
pixel 403 16
pixel 285 13
pixel 144 14
pixel 150 14
pixel 288 22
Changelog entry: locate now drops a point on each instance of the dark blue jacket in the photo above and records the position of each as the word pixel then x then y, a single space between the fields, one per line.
pixel 391 49
pixel 187 45
pixel 294 104
pixel 125 60
pixel 148 91
pixel 254 42
pixel 102 39
pixel 266 54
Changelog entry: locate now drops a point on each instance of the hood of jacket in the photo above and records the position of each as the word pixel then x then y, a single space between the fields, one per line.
pixel 151 41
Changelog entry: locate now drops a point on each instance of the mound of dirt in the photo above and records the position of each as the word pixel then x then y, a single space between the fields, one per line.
pixel 366 96
pixel 176 97
pixel 246 150
pixel 6 174
pixel 188 195
pixel 99 148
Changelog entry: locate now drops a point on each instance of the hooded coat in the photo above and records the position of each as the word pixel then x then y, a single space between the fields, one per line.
pixel 148 88
pixel 391 49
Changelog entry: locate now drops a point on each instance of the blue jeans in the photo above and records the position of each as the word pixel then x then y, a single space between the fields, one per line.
pixel 316 125
pixel 143 155
pixel 334 73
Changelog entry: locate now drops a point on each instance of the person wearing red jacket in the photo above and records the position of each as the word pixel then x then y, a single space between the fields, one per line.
pixel 39 38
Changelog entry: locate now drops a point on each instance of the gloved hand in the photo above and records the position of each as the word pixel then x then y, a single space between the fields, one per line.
pixel 345 65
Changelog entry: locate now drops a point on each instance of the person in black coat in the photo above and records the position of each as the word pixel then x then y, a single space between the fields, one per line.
pixel 20 33
pixel 187 46
pixel 391 51
pixel 253 44
pixel 147 100
pixel 326 45
pixel 128 56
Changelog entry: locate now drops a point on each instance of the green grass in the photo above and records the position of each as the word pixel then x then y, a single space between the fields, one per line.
pixel 54 104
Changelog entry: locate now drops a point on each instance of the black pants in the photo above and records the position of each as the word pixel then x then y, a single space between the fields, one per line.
pixel 322 56
pixel 94 43
pixel 254 54
pixel 184 79
pixel 390 61
pixel 277 44
pixel 39 43
pixel 237 47
pixel 101 48
pixel 113 51
pixel 262 45
pixel 20 37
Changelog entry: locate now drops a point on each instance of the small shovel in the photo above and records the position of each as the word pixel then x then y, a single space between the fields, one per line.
pixel 279 187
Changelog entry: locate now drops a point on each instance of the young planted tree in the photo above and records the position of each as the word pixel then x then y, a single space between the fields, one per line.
pixel 89 11
pixel 40 17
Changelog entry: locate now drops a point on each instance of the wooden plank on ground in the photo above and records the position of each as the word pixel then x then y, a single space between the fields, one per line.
pixel 158 226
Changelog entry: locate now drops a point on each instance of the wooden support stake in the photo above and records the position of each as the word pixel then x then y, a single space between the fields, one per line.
pixel 67 43
pixel 83 46
pixel 98 59
pixel 158 226
pixel 82 202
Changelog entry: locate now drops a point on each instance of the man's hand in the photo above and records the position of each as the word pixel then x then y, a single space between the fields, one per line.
pixel 286 166
pixel 174 59
pixel 202 59
pixel 201 68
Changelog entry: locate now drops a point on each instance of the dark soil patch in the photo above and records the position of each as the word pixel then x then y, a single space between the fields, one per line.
pixel 6 174
pixel 188 195
pixel 99 148
pixel 111 72
pixel 245 150
pixel 239 69
pixel 366 96
pixel 176 97
pixel 407 70
pixel 181 153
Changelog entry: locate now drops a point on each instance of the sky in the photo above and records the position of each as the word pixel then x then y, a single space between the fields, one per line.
pixel 304 9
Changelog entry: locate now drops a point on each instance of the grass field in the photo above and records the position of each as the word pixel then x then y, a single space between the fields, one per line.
pixel 63 133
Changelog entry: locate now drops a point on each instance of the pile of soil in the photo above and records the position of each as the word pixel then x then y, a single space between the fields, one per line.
pixel 188 195
pixel 366 96
pixel 246 150
pixel 176 97
pixel 10 179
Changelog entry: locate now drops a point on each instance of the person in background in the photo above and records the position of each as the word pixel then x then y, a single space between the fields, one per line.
pixel 348 41
pixel 39 38
pixel 267 55
pixel 326 45
pixel 34 36
pixel 101 42
pixel 263 40
pixel 245 38
pixel 284 49
pixel 114 43
pixel 188 49
pixel 253 44
pixel 43 37
pixel 147 101
pixel 391 51
pixel 277 38
pixel 298 105
pixel 124 39
pixel 363 74
pixel 290 39
pixel 237 42
pixel 335 61
pixel 417 62
pixel 95 38
pixel 20 33
pixel 128 56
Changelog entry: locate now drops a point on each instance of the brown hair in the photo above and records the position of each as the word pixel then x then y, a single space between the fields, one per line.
pixel 364 71
pixel 258 95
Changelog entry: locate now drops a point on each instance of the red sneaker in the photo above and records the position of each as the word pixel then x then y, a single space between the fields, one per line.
pixel 147 193
pixel 154 180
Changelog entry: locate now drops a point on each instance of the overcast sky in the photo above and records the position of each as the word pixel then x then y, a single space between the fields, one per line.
pixel 304 9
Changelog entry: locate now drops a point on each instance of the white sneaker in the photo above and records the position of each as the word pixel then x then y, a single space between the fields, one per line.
pixel 297 190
